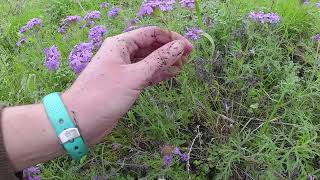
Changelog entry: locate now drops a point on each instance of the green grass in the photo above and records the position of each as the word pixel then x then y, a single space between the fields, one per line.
pixel 267 74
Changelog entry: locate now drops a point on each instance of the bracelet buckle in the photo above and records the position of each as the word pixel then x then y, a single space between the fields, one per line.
pixel 69 135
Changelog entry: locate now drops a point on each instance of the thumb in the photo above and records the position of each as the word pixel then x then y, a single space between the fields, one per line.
pixel 160 59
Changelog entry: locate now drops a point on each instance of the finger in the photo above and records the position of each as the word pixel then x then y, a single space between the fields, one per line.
pixel 146 37
pixel 164 75
pixel 121 48
pixel 142 53
pixel 159 60
pixel 116 50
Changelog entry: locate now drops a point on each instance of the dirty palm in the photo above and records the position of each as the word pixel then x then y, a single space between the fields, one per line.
pixel 246 105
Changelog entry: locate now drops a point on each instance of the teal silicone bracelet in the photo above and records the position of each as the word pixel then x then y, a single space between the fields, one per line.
pixel 64 126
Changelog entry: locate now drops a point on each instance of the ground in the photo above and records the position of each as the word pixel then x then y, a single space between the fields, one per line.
pixel 246 107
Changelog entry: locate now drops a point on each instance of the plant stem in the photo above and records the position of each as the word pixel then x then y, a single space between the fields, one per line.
pixel 81 6
pixel 274 110
pixel 198 12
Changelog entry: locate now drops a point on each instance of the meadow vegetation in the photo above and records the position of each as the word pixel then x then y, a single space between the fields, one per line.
pixel 246 105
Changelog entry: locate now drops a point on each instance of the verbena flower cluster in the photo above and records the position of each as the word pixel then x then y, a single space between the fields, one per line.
pixel 69 20
pixel 187 3
pixel 261 17
pixel 167 160
pixel 52 58
pixel 318 4
pixel 80 56
pixel 168 156
pixel 30 24
pixel 114 11
pixel 91 16
pixel 316 38
pixel 193 33
pixel 31 173
pixel 184 157
pixel 96 35
pixel 149 6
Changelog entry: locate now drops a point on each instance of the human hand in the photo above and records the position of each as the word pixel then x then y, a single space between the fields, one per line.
pixel 112 81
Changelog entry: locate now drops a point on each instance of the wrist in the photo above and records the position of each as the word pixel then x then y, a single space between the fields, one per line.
pixel 82 116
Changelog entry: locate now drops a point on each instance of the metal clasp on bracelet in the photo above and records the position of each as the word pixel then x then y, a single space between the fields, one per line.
pixel 69 135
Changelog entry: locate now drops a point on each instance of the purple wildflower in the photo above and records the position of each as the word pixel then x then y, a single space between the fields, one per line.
pixel 131 25
pixel 32 170
pixel 311 177
pixel 256 16
pixel 91 16
pixel 145 9
pixel 30 173
pixel 208 21
pixel 306 2
pixel 21 41
pixel 261 17
pixel 96 178
pixel 134 21
pixel 30 24
pixel 80 56
pixel 34 178
pixel 184 157
pixel 96 35
pixel 149 6
pixel 131 28
pixel 114 146
pixel 71 19
pixel 176 151
pixel 114 12
pixel 316 38
pixel 193 33
pixel 166 5
pixel 52 58
pixel 167 160
pixel 318 4
pixel 187 3
pixel 104 5
pixel 272 18
pixel 67 22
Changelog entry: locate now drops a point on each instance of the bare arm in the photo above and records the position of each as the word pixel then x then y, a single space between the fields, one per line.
pixel 28 136
pixel 104 91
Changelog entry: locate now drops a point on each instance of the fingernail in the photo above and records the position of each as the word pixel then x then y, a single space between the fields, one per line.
pixel 177 48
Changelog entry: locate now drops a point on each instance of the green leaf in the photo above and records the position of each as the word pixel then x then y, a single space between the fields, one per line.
pixel 197 162
pixel 31 82
pixel 157 12
pixel 254 106
pixel 83 159
pixel 209 37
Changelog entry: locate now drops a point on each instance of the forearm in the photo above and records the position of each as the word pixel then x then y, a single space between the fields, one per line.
pixel 30 139
pixel 28 136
